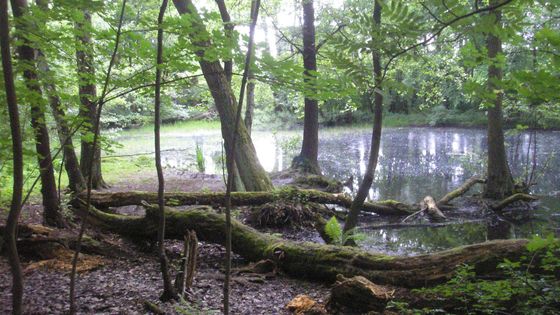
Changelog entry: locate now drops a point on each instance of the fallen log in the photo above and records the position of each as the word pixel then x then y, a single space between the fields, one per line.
pixel 316 261
pixel 104 200
pixel 461 190
pixel 38 242
pixel 429 206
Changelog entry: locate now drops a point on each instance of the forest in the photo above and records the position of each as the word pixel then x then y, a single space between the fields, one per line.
pixel 280 157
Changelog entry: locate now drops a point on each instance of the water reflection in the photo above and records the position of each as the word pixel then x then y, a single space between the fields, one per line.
pixel 413 163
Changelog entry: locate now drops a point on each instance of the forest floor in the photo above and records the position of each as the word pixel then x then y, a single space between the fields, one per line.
pixel 121 285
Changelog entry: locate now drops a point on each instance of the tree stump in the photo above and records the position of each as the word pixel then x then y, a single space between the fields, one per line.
pixel 358 295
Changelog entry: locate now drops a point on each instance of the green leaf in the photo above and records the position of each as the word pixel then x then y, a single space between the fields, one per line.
pixel 334 230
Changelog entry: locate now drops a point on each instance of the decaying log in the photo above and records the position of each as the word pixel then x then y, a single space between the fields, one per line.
pixel 305 305
pixel 104 200
pixel 358 295
pixel 428 205
pixel 38 242
pixel 315 261
pixel 461 190
pixel 511 199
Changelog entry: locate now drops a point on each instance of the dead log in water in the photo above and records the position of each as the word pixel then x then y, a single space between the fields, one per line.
pixel 316 261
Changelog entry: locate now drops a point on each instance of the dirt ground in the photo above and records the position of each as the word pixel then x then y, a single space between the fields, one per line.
pixel 122 285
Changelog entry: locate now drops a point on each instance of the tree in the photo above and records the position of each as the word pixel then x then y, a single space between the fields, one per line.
pixel 307 159
pixel 76 180
pixel 168 289
pixel 251 172
pixel 26 54
pixel 499 182
pixel 17 158
pixel 255 4
pixel 95 128
pixel 89 103
pixel 365 185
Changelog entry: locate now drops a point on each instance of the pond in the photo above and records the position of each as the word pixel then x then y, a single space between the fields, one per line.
pixel 413 163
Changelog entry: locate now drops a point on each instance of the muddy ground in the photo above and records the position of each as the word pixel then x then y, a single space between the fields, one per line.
pixel 122 285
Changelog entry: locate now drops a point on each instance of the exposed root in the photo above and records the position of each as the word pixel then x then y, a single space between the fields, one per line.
pixel 512 199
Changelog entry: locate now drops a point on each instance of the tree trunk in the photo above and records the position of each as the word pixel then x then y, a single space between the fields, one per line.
pixel 499 183
pixel 105 200
pixel 250 102
pixel 51 205
pixel 365 185
pixel 307 160
pixel 88 99
pixel 228 30
pixel 315 261
pixel 228 69
pixel 76 180
pixel 17 158
pixel 251 172
pixel 168 289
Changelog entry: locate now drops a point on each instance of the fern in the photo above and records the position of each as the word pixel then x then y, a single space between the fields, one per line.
pixel 334 230
pixel 337 236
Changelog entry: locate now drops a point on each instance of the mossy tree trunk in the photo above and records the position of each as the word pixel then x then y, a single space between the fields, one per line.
pixel 315 261
pixel 118 199
pixel 251 172
pixel 499 183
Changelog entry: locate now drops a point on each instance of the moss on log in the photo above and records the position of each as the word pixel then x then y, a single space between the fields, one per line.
pixel 105 200
pixel 316 261
pixel 511 199
pixel 461 190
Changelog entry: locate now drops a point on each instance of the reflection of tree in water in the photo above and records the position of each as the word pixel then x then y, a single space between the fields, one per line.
pixel 424 239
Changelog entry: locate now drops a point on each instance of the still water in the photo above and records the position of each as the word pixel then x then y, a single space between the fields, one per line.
pixel 413 163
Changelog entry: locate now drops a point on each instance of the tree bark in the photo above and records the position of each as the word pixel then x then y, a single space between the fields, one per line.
pixel 51 205
pixel 365 185
pixel 499 183
pixel 88 99
pixel 76 180
pixel 250 103
pixel 315 261
pixel 307 160
pixel 105 200
pixel 17 160
pixel 251 172
pixel 228 69
pixel 228 29
pixel 168 289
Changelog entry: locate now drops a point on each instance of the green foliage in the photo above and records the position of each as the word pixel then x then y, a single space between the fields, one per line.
pixel 334 231
pixel 200 164
pixel 531 285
